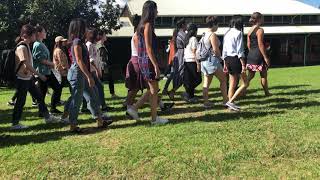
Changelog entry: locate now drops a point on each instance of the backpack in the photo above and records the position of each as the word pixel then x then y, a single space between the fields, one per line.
pixel 8 69
pixel 202 52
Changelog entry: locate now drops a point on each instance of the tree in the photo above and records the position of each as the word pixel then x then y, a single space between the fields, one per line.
pixel 55 16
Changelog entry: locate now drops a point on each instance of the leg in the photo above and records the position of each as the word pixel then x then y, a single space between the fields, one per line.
pixel 264 82
pixel 57 90
pixel 92 100
pixel 22 89
pixel 233 81
pixel 206 85
pixel 100 90
pixel 111 82
pixel 43 86
pixel 242 88
pixel 36 94
pixel 223 84
pixel 251 75
pixel 131 96
pixel 154 86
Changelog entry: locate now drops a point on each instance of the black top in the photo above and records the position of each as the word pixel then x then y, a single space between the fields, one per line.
pixel 254 57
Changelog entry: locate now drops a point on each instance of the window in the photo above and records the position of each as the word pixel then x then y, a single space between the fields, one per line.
pixel 305 19
pixel 277 19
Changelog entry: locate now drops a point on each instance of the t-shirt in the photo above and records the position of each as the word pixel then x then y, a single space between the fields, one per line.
pixel 93 56
pixel 40 52
pixel 23 54
pixel 233 44
pixel 85 54
pixel 189 56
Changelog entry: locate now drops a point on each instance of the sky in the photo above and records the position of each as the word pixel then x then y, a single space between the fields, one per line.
pixel 315 3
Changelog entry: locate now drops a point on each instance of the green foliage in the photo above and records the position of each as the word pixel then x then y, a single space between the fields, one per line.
pixel 55 16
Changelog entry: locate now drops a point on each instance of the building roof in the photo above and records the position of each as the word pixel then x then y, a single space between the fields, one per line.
pixel 225 7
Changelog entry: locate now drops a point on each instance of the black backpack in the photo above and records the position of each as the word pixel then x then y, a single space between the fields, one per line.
pixel 8 69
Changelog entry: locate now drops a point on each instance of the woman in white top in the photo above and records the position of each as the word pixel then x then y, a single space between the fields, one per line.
pixel 212 65
pixel 192 73
pixel 95 68
pixel 233 54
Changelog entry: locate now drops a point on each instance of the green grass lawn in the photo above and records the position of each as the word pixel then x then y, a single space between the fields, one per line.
pixel 273 137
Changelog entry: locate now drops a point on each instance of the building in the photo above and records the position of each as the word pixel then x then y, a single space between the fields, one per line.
pixel 291 27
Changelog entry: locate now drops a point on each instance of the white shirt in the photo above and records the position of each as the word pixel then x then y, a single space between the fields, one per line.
pixel 233 43
pixel 189 56
pixel 134 51
pixel 93 56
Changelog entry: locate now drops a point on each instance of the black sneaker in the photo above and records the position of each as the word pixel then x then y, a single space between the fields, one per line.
pixel 55 111
pixel 11 103
pixel 106 108
pixel 167 106
pixel 85 110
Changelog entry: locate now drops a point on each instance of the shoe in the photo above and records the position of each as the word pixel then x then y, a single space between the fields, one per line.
pixel 34 104
pixel 193 100
pixel 232 106
pixel 106 108
pixel 165 78
pixel 159 120
pixel 61 103
pixel 185 97
pixel 85 111
pixel 65 120
pixel 106 120
pixel 133 113
pixel 166 107
pixel 11 103
pixel 18 127
pixel 114 96
pixel 55 111
pixel 51 119
pixel 208 105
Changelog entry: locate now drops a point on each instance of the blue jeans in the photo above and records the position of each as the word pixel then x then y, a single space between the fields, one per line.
pixel 80 88
pixel 100 89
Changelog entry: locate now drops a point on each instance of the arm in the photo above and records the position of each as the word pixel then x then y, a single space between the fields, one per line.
pixel 92 59
pixel 148 40
pixel 215 45
pixel 260 34
pixel 37 54
pixel 78 53
pixel 240 51
pixel 248 41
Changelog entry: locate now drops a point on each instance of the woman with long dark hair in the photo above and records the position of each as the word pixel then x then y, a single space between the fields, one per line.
pixel 192 68
pixel 25 82
pixel 81 81
pixel 233 55
pixel 178 62
pixel 145 40
pixel 257 60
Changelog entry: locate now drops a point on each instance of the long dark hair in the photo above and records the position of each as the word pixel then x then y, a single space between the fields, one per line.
pixel 237 22
pixel 192 32
pixel 26 31
pixel 92 35
pixel 148 15
pixel 77 29
pixel 180 23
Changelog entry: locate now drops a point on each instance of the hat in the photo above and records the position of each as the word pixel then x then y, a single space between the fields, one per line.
pixel 59 38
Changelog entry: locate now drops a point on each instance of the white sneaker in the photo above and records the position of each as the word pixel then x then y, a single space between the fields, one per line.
pixel 65 120
pixel 232 106
pixel 18 127
pixel 159 120
pixel 51 119
pixel 133 113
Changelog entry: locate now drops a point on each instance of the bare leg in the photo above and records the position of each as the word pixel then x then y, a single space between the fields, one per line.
pixel 264 82
pixel 242 88
pixel 206 84
pixel 223 84
pixel 131 96
pixel 251 75
pixel 233 81
pixel 143 99
pixel 154 86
